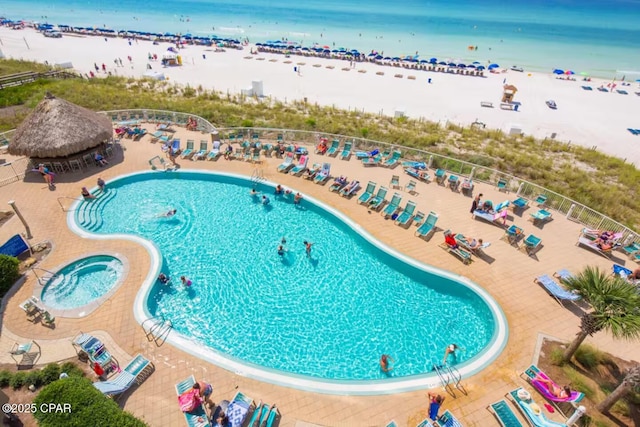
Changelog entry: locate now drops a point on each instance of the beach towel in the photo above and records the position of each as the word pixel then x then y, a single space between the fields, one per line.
pixel 434 407
pixel 189 400
pixel 236 412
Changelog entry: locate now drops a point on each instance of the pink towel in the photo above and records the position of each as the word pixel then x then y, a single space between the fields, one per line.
pixel 189 400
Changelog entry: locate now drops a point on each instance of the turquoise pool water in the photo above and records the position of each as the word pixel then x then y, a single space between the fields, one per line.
pixel 82 282
pixel 329 316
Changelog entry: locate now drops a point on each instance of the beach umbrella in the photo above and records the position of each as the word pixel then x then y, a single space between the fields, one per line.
pixel 433 60
pixel 341 49
pixel 442 63
pixel 558 71
pixel 387 58
pixel 372 54
pixel 395 58
pixel 326 51
pixel 492 66
pixel 355 51
pixel 58 128
pixel 462 66
pixel 476 63
pixel 335 51
pixel 569 72
pixel 424 61
pixel 471 66
pixel 451 64
pixel 378 57
pixel 347 53
pixel 480 67
pixel 306 49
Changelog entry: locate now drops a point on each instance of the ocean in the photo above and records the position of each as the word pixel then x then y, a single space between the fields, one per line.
pixel 597 38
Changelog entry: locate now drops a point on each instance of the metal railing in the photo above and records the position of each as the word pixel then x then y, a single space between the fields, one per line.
pixel 15 170
pixel 159 116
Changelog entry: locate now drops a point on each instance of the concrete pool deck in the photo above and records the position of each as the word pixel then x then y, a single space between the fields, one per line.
pixel 506 273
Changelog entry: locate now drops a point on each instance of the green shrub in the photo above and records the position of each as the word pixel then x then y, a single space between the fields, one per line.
pixel 18 380
pixel 588 356
pixel 557 357
pixel 247 123
pixel 50 373
pixel 71 369
pixel 578 382
pixel 34 378
pixel 89 407
pixel 9 272
pixel 5 378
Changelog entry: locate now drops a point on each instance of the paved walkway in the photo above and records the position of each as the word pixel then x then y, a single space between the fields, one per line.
pixel 506 273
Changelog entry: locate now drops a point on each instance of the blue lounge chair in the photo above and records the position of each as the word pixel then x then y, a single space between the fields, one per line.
pixel 188 152
pixel 414 165
pixel 238 409
pixel 621 271
pixel 411 187
pixel 406 214
pixel 428 226
pixel 531 244
pixel 376 201
pixel 631 249
pixel 339 183
pixel 392 161
pixel 175 146
pixel 530 410
pixel 349 190
pixel 366 154
pixel 519 203
pixel 395 182
pixel 346 150
pixel 502 206
pixel 372 161
pixel 259 414
pixel 273 414
pixel 301 166
pixel 587 88
pixel 555 290
pixel 287 164
pixel 503 413
pixel 418 174
pixel 324 174
pixel 454 182
pixel 138 367
pixel 502 185
pixel 419 218
pixel 214 153
pixel 541 216
pixel 333 150
pixel 541 200
pixel 368 193
pixel 563 274
pixel 202 152
pixel 465 256
pixel 448 420
pixel 393 205
pixel 441 176
pixel 197 417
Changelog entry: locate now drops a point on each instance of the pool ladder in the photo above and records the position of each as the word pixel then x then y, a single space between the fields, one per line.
pixel 156 329
pixel 450 377
pixel 45 278
pixel 257 176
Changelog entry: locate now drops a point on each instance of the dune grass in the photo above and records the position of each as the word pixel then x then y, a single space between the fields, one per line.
pixel 604 183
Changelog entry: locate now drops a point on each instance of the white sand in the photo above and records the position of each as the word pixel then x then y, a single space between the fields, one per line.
pixel 588 118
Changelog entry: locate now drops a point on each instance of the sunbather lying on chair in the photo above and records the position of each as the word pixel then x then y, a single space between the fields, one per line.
pixel 451 241
pixel 553 388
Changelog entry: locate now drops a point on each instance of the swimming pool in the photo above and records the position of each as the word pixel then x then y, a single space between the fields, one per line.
pixel 77 288
pixel 322 320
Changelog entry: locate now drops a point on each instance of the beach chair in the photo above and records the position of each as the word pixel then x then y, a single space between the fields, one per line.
pixel 407 214
pixel 503 413
pixel 533 374
pixel 540 217
pixel 346 150
pixel 376 201
pixel 502 185
pixel 214 153
pixel 464 255
pixel 441 176
pixel 519 204
pixel 419 218
pixel 393 205
pixel 541 200
pixel 586 240
pixel 257 417
pixel 198 416
pixel 285 166
pixel 448 420
pixel 136 371
pixel 202 152
pixel 563 274
pixel 503 206
pixel 530 410
pixel 339 183
pixel 411 187
pixel 350 189
pixel 429 225
pixel 555 290
pixel 323 175
pixel 368 193
pixel 631 249
pixel 255 157
pixel 25 355
pixel 418 174
pixel 467 187
pixel 188 152
pixel 621 271
pixel 372 161
pixel 280 138
pixel 300 167
pixel 312 171
pixel 366 154
pixel 231 138
pixel 531 244
pixel 492 217
pixel 476 250
pixel 513 234
pixel 248 154
pixel 273 414
pixel 333 149
pixel 392 161
pixel 454 182
pixel 414 165
pixel 238 409
pixel 395 182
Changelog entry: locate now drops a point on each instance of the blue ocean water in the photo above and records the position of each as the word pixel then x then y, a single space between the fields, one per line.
pixel 596 37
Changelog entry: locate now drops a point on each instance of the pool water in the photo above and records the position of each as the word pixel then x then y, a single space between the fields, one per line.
pixel 82 282
pixel 327 316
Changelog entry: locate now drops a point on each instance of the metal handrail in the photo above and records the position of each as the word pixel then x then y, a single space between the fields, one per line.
pixel 66 197
pixel 33 270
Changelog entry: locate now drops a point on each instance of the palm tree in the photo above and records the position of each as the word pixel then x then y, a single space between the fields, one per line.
pixel 630 381
pixel 614 307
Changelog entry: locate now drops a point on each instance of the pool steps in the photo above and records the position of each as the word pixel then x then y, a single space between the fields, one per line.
pixel 88 214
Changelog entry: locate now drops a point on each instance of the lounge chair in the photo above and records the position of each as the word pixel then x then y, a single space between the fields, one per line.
pixel 454 182
pixel 198 416
pixel 407 213
pixel 175 146
pixel 259 414
pixel 393 205
pixel 159 136
pixel 531 244
pixel 333 150
pixel 448 420
pixel 372 161
pixel 503 413
pixel 541 200
pixel 186 154
pixel 238 409
pixel 586 87
pixel 301 166
pixel 530 410
pixel 533 374
pixel 418 174
pixel 502 185
pixel 419 218
pixel 273 414
pixel 287 164
pixel 621 271
pixel 255 158
pixel 391 423
pixel 541 216
pixel 202 152
pixel 428 226
pixel 136 370
pixel 464 255
pixel 414 165
pixel 280 138
pixel 392 161
pixel 311 172
pixel 513 234
pixel 395 182
pixel 467 187
pixel 339 183
pixel 95 350
pixel 346 150
pixel 28 355
pixel 563 274
pixel 631 249
pixel 368 193
pixel 350 189
pixel 323 175
pixel 519 204
pixel 214 153
pixel 555 290
pixel 366 154
pixel 441 176
pixel 589 242
pixel 411 187
pixel 477 249
pixel 491 217
pixel 502 206
pixel 376 201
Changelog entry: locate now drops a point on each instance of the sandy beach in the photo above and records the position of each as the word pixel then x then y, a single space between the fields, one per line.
pixel 589 118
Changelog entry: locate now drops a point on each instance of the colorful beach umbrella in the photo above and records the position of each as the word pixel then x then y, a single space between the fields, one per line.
pixel 569 72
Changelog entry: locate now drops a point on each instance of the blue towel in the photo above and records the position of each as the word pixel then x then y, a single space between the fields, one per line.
pixel 433 410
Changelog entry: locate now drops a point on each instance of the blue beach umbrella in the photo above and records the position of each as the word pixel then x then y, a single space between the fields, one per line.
pixel 335 51
pixel 492 66
pixel 387 58
pixel 326 51
pixel 558 71
pixel 395 58
pixel 462 66
pixel 476 63
pixel 371 54
pixel 306 49
pixel 471 66
pixel 442 63
pixel 451 64
pixel 341 49
pixel 424 61
pixel 480 67
pixel 378 57
pixel 355 51
pixel 433 60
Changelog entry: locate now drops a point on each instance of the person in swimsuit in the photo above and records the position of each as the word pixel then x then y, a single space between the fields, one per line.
pixel 560 392
pixel 46 174
pixel 385 364
pixel 186 282
pixel 87 194
pixel 308 248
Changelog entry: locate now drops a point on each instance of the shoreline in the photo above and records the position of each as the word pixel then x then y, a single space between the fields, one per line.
pixel 449 98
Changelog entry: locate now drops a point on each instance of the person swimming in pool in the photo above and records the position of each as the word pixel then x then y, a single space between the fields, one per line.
pixel 451 349
pixel 307 246
pixel 265 200
pixel 185 281
pixel 164 279
pixel 253 192
pixel 168 214
pixel 281 250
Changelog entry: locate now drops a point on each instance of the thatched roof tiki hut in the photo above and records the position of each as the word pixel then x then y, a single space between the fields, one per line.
pixel 57 128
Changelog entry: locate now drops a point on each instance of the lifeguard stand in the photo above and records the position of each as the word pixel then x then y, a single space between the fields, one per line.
pixel 509 91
